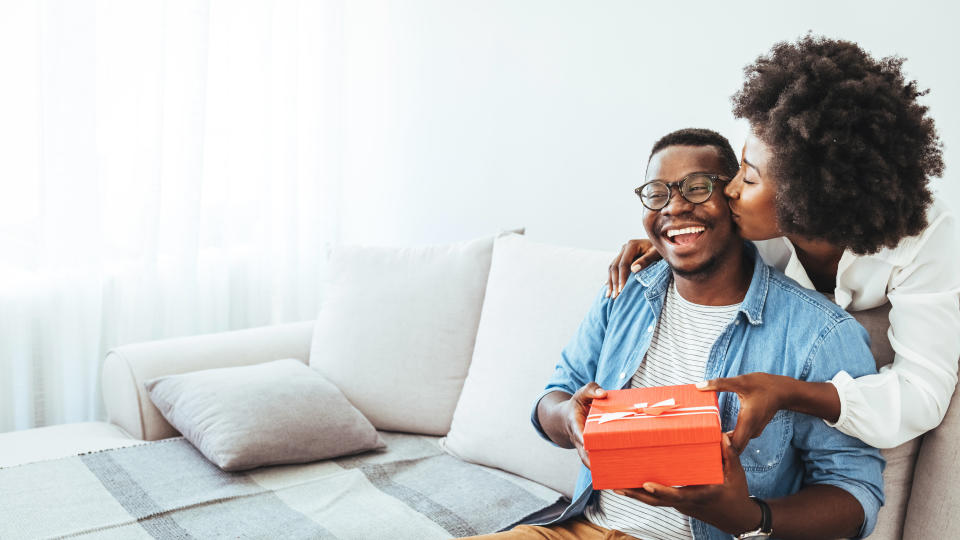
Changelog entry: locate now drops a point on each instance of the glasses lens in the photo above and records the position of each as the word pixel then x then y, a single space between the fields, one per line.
pixel 697 189
pixel 655 195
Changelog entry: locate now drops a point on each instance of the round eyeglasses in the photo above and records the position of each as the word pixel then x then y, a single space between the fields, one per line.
pixel 695 188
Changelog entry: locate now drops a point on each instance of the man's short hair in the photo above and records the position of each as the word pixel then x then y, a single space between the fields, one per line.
pixel 701 137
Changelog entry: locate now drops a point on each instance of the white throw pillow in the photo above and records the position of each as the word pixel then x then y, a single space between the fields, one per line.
pixel 396 330
pixel 537 295
pixel 265 414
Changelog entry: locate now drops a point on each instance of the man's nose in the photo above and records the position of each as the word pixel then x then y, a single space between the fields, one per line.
pixel 677 204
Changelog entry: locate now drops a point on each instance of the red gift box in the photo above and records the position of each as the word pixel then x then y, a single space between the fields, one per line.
pixel 667 434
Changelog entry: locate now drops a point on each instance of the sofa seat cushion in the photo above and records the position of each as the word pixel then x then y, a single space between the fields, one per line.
pixel 410 490
pixel 52 442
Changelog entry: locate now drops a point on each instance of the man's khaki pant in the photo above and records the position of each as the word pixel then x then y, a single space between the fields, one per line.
pixel 574 529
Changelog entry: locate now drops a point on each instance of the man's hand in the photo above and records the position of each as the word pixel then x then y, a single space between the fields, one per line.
pixel 634 256
pixel 563 416
pixel 576 410
pixel 761 396
pixel 726 506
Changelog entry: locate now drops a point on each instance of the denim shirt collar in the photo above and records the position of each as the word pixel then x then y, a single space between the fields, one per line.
pixel 656 278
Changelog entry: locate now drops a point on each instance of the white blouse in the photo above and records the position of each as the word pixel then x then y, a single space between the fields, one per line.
pixel 921 280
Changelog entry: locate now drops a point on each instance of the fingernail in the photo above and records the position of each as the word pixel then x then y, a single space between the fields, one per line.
pixel 648 488
pixel 701 384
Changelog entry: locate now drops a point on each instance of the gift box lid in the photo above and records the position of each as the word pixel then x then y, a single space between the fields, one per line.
pixel 657 416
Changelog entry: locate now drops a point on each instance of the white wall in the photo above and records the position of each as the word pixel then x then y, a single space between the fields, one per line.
pixel 464 117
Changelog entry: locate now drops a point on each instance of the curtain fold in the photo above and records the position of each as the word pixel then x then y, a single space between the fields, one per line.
pixel 168 168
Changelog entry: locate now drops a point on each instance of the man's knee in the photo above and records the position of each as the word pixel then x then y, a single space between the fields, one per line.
pixel 520 532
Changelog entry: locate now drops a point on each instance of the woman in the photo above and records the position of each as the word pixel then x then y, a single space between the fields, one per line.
pixel 833 189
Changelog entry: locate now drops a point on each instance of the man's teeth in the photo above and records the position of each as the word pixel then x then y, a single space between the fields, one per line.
pixel 689 230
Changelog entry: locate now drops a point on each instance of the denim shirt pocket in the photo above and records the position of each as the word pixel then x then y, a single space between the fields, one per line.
pixel 765 452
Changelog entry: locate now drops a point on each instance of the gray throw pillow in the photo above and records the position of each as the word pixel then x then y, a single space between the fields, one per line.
pixel 266 414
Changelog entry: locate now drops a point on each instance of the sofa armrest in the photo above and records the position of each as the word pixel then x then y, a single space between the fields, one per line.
pixel 126 368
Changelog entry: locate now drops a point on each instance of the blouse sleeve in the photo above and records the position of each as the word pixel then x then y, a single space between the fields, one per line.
pixel 910 396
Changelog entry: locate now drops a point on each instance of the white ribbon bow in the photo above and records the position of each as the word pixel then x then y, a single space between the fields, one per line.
pixel 667 407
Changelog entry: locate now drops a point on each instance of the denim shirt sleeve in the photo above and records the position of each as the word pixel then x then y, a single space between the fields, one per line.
pixel 831 457
pixel 578 360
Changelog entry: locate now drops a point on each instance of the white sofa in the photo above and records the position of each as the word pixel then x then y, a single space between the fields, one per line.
pixel 524 320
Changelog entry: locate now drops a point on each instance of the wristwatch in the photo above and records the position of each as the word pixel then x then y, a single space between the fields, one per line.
pixel 766 523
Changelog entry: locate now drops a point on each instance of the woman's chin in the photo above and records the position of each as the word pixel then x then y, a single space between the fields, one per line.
pixel 752 233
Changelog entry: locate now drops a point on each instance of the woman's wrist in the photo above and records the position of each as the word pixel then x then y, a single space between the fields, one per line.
pixel 818 399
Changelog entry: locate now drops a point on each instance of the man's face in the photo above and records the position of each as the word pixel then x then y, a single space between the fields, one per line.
pixel 709 229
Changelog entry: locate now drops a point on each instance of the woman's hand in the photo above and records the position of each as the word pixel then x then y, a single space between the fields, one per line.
pixel 634 256
pixel 761 396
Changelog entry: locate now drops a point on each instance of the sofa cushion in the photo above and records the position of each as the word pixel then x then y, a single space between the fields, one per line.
pixel 898 474
pixel 537 295
pixel 265 414
pixel 934 495
pixel 396 330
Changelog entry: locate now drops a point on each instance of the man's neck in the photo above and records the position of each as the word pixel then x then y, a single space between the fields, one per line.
pixel 725 284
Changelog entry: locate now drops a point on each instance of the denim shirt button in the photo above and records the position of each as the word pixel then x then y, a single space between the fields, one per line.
pixel 650 328
pixel 622 375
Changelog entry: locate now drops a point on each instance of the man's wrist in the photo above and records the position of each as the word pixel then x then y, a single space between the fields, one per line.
pixel 749 516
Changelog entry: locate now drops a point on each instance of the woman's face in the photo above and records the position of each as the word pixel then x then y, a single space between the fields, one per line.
pixel 752 192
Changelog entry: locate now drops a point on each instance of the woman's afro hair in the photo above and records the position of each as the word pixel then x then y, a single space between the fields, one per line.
pixel 853 150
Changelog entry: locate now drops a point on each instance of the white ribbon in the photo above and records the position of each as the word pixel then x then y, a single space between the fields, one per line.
pixel 638 415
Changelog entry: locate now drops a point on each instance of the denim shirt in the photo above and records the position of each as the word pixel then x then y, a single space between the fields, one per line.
pixel 780 328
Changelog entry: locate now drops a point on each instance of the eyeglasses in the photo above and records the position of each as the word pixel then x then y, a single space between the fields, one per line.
pixel 695 188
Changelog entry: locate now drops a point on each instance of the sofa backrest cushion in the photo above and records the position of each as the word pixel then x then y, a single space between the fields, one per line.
pixel 898 474
pixel 537 295
pixel 396 330
pixel 935 495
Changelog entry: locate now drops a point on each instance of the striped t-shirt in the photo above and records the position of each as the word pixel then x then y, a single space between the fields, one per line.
pixel 677 355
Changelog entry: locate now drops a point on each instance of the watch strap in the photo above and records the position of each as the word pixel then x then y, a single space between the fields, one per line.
pixel 766 522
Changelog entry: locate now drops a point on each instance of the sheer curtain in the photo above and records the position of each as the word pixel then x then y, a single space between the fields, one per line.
pixel 166 168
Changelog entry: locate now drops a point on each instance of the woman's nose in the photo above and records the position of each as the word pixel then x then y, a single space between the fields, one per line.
pixel 732 189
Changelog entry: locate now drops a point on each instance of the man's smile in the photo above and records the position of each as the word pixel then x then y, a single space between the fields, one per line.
pixel 683 234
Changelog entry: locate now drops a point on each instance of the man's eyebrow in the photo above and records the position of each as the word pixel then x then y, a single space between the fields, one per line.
pixel 665 181
pixel 747 163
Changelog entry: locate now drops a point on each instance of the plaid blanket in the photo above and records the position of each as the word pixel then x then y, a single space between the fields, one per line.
pixel 166 489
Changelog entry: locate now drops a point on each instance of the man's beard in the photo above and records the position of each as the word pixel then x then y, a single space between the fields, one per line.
pixel 702 272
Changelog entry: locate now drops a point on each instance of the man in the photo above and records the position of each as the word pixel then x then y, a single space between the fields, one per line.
pixel 711 309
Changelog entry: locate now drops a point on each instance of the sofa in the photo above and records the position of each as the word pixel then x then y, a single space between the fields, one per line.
pixel 443 349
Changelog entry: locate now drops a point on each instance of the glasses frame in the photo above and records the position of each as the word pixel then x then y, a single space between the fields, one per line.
pixel 679 185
